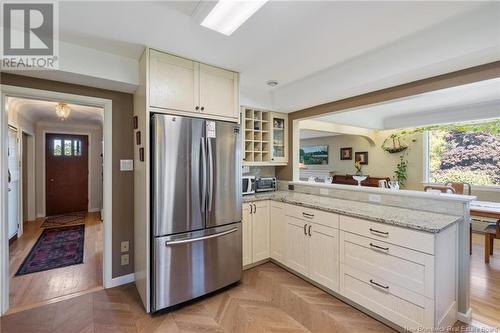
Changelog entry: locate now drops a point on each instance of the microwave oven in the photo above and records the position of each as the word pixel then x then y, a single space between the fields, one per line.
pixel 248 184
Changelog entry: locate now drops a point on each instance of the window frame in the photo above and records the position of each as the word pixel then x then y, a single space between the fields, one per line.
pixel 426 171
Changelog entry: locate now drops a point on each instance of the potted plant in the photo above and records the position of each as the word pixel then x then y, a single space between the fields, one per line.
pixel 400 174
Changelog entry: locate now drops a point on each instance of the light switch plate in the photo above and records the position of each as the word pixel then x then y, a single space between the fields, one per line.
pixel 124 259
pixel 126 165
pixel 124 246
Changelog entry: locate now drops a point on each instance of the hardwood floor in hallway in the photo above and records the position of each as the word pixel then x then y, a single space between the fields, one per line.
pixel 31 290
pixel 269 299
pixel 485 283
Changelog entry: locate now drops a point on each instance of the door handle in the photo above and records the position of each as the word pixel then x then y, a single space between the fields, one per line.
pixel 191 240
pixel 52 179
pixel 309 230
pixel 379 247
pixel 254 208
pixel 378 284
pixel 251 209
pixel 210 174
pixel 204 173
pixel 378 232
pixel 305 227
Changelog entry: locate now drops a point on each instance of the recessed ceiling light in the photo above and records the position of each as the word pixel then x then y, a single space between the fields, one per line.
pixel 272 83
pixel 227 15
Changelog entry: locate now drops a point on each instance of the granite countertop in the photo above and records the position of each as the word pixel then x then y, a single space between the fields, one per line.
pixel 403 217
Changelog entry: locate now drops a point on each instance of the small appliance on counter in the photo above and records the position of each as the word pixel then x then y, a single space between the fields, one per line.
pixel 248 184
pixel 264 184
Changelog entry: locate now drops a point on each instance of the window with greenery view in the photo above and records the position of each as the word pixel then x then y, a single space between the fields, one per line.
pixel 465 153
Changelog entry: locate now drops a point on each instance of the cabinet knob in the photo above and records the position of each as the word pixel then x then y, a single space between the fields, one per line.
pixel 202 108
pixel 197 108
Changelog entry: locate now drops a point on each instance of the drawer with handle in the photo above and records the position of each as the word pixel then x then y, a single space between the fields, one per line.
pixel 399 305
pixel 313 215
pixel 409 238
pixel 397 265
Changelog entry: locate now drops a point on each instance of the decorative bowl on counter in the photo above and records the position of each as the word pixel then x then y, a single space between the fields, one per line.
pixel 359 179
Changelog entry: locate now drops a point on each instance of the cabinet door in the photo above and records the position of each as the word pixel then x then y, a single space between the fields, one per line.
pixel 279 138
pixel 324 255
pixel 246 226
pixel 260 231
pixel 219 92
pixel 174 82
pixel 297 245
pixel 278 232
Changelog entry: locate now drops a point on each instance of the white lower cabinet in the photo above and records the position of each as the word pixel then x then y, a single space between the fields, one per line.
pixel 405 276
pixel 256 235
pixel 312 247
pixel 278 232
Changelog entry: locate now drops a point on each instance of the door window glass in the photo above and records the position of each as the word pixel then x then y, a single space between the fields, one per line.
pixel 67 148
pixel 57 147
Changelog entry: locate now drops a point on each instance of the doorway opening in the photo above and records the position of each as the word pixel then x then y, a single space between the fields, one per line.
pixel 58 212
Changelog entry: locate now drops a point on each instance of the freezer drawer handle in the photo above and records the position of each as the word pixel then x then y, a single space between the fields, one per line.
pixel 191 240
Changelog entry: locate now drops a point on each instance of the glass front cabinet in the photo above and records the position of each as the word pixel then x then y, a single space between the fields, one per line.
pixel 264 137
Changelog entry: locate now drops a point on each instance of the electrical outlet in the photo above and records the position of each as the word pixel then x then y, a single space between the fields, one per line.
pixel 124 246
pixel 375 198
pixel 125 259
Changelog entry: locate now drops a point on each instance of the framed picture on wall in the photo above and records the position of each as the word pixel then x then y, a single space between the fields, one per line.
pixel 314 155
pixel 346 153
pixel 361 157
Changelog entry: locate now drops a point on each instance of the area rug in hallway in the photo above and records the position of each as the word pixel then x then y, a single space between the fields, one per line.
pixel 55 248
pixel 64 220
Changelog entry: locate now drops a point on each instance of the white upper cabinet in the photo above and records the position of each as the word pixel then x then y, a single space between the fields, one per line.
pixel 218 91
pixel 181 85
pixel 174 82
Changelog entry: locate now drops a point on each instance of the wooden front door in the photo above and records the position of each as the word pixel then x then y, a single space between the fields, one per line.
pixel 66 173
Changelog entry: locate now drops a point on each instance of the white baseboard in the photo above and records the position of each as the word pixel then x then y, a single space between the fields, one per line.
pixel 93 210
pixel 465 317
pixel 124 279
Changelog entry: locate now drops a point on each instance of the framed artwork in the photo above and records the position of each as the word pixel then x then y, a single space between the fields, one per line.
pixel 136 122
pixel 314 155
pixel 346 153
pixel 361 157
pixel 138 137
pixel 141 154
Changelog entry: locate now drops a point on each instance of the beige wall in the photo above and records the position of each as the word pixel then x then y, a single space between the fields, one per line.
pixel 95 161
pixel 380 163
pixel 123 148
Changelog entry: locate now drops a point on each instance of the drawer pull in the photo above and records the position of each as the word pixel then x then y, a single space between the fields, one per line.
pixel 309 216
pixel 379 247
pixel 378 232
pixel 305 227
pixel 309 230
pixel 379 285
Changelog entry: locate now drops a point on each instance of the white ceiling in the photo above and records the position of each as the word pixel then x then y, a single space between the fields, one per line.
pixel 319 51
pixel 474 101
pixel 45 111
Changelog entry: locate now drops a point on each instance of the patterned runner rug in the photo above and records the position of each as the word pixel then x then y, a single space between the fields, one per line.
pixel 55 248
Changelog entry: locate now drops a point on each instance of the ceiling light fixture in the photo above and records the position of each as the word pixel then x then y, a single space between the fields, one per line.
pixel 227 15
pixel 272 83
pixel 62 111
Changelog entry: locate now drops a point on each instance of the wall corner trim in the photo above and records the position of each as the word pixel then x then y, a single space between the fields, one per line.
pixel 121 280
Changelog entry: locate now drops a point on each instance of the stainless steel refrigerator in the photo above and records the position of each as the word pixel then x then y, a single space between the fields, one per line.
pixel 196 208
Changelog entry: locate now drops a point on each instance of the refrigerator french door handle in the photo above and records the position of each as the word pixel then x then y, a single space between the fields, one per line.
pixel 191 240
pixel 204 174
pixel 210 174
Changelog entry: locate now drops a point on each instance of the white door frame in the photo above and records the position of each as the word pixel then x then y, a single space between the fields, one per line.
pixel 106 104
pixel 89 165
